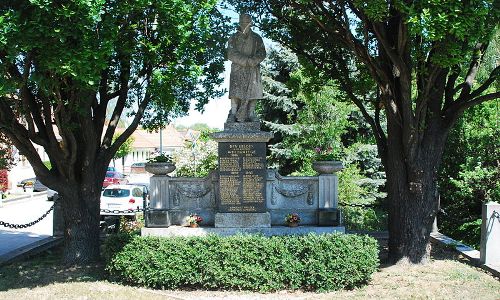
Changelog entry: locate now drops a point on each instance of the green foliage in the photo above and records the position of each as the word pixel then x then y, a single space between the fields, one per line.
pixel 196 159
pixel 244 262
pixel 132 226
pixel 115 243
pixel 124 148
pixel 470 172
pixel 319 124
pixel 48 164
pixel 160 158
pixel 355 188
pixel 311 122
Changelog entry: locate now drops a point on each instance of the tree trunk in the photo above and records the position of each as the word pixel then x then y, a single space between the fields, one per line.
pixel 412 194
pixel 80 208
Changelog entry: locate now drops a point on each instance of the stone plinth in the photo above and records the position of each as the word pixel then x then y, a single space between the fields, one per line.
pixel 242 169
pixel 242 220
pixel 490 234
pixel 174 231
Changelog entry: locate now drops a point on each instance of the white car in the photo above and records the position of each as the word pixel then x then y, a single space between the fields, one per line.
pixel 122 200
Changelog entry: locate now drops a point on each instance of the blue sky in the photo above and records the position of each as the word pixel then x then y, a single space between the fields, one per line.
pixel 216 110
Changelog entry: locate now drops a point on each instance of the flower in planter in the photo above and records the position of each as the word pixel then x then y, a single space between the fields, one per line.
pixel 325 154
pixel 194 219
pixel 292 218
pixel 161 158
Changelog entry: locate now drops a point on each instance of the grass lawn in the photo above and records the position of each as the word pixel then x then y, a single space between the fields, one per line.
pixel 446 277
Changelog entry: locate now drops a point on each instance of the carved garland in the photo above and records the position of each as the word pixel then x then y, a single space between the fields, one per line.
pixel 290 193
pixel 189 193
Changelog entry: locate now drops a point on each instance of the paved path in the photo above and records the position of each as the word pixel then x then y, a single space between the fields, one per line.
pixel 21 212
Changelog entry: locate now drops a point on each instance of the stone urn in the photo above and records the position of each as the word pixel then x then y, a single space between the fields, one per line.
pixel 159 168
pixel 327 166
pixel 292 224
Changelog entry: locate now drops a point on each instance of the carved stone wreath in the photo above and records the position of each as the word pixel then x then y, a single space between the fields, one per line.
pixel 189 192
pixel 293 191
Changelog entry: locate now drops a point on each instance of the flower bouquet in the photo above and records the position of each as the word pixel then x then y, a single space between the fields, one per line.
pixel 292 220
pixel 194 220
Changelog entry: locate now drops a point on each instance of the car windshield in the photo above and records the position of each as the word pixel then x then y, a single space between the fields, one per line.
pixel 117 193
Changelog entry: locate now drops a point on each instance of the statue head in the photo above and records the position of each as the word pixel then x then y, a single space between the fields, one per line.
pixel 245 22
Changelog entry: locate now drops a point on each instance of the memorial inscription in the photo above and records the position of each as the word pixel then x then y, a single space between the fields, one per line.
pixel 242 171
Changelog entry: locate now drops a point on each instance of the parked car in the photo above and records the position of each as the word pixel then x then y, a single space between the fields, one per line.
pixel 145 188
pixel 122 198
pixel 26 183
pixel 138 167
pixel 112 169
pixel 38 186
pixel 113 177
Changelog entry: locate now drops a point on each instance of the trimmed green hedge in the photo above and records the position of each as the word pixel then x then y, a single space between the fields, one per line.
pixel 244 262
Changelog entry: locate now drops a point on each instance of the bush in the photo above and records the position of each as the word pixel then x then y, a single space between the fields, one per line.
pixel 244 262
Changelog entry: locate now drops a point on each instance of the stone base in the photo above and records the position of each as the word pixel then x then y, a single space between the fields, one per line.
pixel 157 218
pixel 174 231
pixel 242 220
pixel 242 126
pixel 328 217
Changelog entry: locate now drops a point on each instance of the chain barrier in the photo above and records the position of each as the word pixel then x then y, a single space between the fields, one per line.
pixel 360 205
pixel 18 226
pixel 496 215
pixel 116 211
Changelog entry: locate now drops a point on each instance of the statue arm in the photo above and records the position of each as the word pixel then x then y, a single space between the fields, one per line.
pixel 235 56
pixel 260 53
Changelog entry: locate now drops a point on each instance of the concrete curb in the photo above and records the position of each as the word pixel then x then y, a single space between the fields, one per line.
pixel 22 197
pixel 470 253
pixel 30 249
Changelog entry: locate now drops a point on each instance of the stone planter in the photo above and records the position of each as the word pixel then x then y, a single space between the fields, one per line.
pixel 159 168
pixel 327 166
pixel 292 224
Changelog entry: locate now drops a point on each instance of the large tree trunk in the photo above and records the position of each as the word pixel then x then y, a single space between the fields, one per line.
pixel 80 206
pixel 412 192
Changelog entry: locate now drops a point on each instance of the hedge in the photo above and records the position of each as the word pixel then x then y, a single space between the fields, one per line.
pixel 243 262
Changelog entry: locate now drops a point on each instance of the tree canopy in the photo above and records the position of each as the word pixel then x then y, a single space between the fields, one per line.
pixel 64 63
pixel 414 63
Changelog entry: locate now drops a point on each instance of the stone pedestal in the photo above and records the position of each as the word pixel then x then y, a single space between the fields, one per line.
pixel 241 200
pixel 328 191
pixel 159 204
pixel 328 213
pixel 490 234
pixel 242 220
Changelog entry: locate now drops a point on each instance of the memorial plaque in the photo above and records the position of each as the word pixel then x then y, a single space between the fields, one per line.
pixel 242 177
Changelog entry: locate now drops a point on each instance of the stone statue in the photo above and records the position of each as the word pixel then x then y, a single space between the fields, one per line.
pixel 246 51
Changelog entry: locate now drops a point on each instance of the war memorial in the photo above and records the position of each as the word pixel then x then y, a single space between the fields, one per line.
pixel 243 195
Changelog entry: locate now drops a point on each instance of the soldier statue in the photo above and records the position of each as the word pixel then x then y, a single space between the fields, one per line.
pixel 246 51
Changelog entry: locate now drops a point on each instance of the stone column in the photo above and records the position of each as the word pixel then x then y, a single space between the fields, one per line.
pixel 490 234
pixel 159 204
pixel 328 192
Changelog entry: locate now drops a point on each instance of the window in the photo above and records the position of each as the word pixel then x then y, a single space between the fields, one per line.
pixel 137 192
pixel 116 193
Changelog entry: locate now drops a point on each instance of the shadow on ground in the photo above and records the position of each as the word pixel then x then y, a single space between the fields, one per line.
pixel 438 252
pixel 44 269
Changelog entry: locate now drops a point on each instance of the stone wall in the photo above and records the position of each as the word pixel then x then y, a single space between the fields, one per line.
pixel 173 199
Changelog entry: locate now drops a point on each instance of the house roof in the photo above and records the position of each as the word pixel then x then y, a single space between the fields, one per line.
pixel 171 137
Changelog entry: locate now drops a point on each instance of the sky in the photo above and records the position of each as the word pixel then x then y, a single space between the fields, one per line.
pixel 216 110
